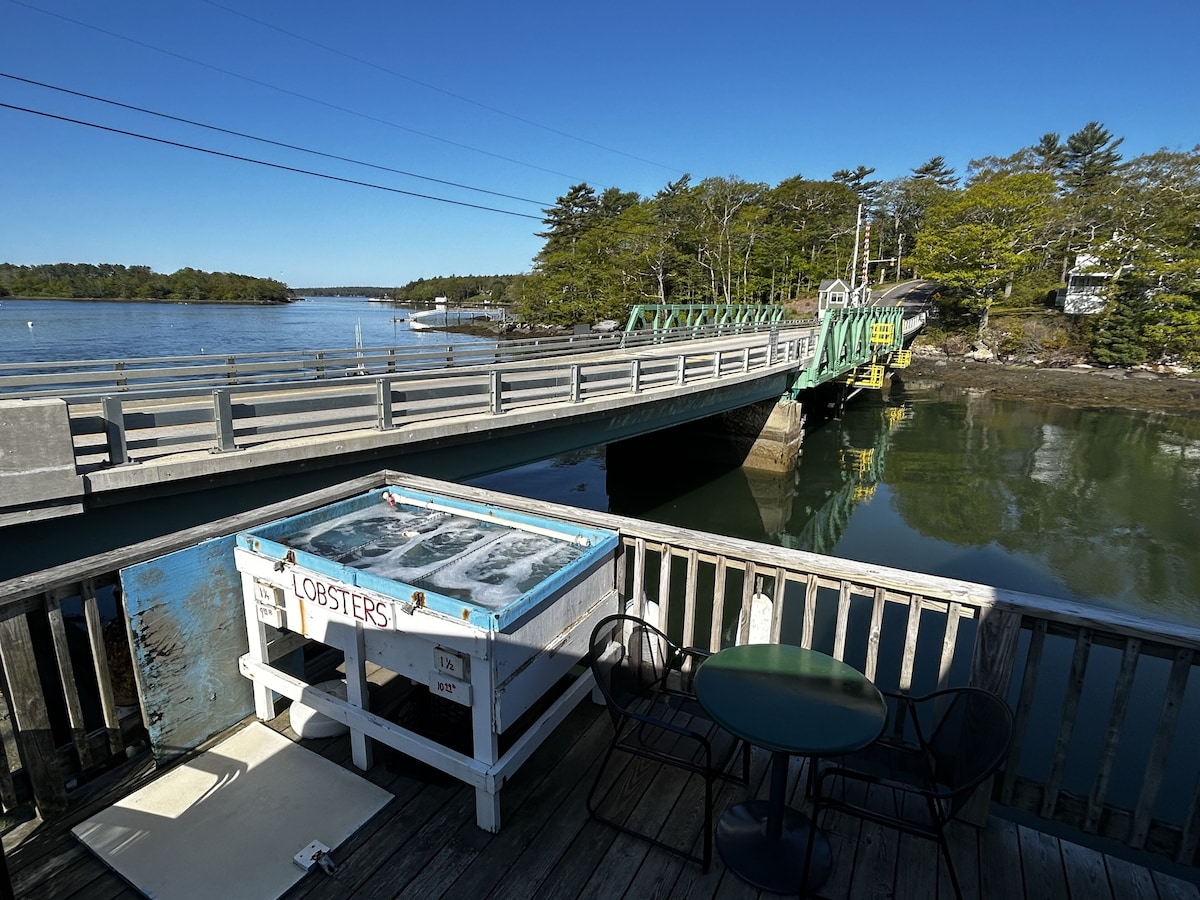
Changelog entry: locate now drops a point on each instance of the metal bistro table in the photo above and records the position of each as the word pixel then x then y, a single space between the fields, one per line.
pixel 790 701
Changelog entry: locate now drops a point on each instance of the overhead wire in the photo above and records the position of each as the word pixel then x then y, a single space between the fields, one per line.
pixel 268 164
pixel 296 94
pixel 268 141
pixel 433 87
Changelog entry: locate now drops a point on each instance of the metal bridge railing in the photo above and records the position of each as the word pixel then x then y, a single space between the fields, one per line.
pixel 76 380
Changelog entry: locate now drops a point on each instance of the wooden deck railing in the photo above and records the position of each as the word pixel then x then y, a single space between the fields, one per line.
pixel 1106 726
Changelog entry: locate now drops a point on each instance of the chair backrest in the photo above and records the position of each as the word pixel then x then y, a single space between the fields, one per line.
pixel 969 740
pixel 630 659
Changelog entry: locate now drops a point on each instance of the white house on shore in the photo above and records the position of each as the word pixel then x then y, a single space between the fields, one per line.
pixel 1085 293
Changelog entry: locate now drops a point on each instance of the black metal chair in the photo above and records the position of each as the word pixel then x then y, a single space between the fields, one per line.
pixel 937 750
pixel 646 682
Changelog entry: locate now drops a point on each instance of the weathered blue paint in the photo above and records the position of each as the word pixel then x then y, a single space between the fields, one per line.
pixel 271 540
pixel 188 623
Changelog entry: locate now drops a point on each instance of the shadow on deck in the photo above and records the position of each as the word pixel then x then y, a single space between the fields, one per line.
pixel 425 843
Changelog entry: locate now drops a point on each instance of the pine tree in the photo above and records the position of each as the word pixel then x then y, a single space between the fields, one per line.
pixel 936 170
pixel 1089 156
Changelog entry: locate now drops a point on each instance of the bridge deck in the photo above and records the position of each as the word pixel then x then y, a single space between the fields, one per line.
pixel 425 844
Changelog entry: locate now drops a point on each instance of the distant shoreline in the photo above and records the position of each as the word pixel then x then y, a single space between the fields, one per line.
pixel 156 300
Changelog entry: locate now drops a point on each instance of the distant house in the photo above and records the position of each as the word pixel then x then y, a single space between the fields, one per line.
pixel 1085 291
pixel 834 293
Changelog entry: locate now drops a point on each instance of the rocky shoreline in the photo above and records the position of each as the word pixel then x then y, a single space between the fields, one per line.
pixel 1081 386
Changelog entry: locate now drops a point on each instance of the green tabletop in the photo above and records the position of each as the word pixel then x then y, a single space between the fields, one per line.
pixel 791 700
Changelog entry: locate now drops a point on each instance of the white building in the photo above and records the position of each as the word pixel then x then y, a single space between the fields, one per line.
pixel 834 293
pixel 1085 293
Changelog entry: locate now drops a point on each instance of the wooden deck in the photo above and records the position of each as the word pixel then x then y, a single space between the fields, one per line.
pixel 426 844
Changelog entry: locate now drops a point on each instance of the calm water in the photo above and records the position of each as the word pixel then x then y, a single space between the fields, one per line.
pixel 1097 506
pixel 46 330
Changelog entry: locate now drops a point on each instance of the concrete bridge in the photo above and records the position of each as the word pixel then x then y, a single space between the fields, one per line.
pixel 91 435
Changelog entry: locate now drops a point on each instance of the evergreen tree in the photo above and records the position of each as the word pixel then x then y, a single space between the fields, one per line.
pixel 1089 156
pixel 1118 336
pixel 1050 153
pixel 937 171
pixel 572 214
pixel 856 180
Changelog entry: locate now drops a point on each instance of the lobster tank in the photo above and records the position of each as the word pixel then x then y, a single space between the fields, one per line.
pixel 487 608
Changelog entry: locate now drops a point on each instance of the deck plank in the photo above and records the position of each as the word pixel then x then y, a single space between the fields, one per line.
pixel 1086 875
pixel 424 844
pixel 1130 882
pixel 1041 865
pixel 1000 861
pixel 1171 888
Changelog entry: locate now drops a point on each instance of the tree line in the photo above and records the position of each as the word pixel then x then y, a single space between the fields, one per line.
pixel 1000 238
pixel 113 282
pixel 457 289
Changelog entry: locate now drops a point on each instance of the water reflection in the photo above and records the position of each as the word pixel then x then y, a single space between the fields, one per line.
pixel 1101 506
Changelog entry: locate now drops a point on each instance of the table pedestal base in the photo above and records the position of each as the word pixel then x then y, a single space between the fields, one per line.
pixel 772 864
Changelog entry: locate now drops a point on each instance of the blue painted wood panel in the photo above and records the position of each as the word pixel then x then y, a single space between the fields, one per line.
pixel 189 628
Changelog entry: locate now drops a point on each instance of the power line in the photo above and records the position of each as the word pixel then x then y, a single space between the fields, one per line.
pixel 434 87
pixel 262 140
pixel 296 94
pixel 271 165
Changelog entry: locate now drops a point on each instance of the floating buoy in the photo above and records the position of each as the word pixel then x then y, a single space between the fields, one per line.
pixel 29 324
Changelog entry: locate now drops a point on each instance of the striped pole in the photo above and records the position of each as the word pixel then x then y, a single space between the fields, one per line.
pixel 866 270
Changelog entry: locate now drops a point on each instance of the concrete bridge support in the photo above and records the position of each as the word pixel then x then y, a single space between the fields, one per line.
pixel 37 462
pixel 764 436
pixel 777 446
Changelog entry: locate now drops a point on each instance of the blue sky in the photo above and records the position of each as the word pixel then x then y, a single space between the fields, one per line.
pixel 523 99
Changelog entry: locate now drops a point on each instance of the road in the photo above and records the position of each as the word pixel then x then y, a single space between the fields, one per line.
pixel 914 295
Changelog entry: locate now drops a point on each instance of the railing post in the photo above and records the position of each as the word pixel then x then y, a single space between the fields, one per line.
pixel 222 422
pixel 681 370
pixel 450 356
pixel 495 386
pixel 39 755
pixel 114 430
pixel 576 382
pixel 717 364
pixel 635 376
pixel 121 380
pixel 745 359
pixel 231 373
pixel 320 357
pixel 383 404
pixel 992 662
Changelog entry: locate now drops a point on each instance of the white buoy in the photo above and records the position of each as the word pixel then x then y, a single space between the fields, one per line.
pixel 29 324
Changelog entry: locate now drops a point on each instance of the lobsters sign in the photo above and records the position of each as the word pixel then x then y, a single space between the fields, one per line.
pixel 343 600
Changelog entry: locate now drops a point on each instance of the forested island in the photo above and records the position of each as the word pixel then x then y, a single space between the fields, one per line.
pixel 1000 240
pixel 457 289
pixel 374 292
pixel 78 281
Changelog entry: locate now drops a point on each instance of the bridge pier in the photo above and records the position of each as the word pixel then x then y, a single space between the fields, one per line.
pixel 764 436
pixel 777 446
